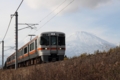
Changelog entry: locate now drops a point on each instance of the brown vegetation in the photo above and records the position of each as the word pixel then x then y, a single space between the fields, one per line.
pixel 97 66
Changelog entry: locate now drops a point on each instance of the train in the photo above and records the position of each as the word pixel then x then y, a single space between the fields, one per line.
pixel 46 47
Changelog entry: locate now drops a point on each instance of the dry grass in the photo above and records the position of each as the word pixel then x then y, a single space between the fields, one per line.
pixel 98 66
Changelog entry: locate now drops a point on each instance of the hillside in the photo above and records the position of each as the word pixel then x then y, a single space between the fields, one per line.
pixel 97 66
pixel 83 42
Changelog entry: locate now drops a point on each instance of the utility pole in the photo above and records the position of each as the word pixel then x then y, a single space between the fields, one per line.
pixel 31 36
pixel 16 38
pixel 2 54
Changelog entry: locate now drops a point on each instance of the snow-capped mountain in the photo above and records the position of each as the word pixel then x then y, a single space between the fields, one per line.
pixel 83 42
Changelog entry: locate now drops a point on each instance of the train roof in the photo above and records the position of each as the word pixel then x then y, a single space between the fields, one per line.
pixel 52 32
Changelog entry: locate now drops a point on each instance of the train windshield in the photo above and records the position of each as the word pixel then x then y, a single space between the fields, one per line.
pixel 53 40
pixel 61 40
pixel 44 40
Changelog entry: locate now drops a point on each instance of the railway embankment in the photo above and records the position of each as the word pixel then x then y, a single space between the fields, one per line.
pixel 97 66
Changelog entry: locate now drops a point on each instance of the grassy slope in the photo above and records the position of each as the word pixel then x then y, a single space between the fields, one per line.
pixel 98 66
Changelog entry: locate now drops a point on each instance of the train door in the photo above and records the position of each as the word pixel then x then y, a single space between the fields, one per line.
pixel 53 46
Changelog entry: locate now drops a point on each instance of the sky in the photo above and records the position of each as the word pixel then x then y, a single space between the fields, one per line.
pixel 99 17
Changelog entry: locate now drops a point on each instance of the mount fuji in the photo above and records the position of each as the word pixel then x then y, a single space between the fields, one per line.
pixel 84 42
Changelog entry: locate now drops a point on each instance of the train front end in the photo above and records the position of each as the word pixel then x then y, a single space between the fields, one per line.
pixel 52 45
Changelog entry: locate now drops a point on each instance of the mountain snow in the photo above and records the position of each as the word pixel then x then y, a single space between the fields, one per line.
pixel 84 42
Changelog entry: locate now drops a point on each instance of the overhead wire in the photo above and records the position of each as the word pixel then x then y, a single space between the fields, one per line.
pixel 11 20
pixel 7 28
pixel 52 11
pixel 19 5
pixel 56 14
pixel 24 38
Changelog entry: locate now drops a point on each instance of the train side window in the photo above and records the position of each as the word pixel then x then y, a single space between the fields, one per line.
pixel 22 52
pixel 19 53
pixel 32 46
pixel 8 59
pixel 36 43
pixel 13 56
pixel 25 50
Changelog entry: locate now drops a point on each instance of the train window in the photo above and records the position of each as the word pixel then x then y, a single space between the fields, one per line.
pixel 13 57
pixel 8 59
pixel 36 44
pixel 44 40
pixel 53 40
pixel 25 50
pixel 32 46
pixel 20 52
pixel 61 40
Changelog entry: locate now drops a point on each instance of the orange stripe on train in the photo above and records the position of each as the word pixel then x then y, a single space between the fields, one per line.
pixel 33 52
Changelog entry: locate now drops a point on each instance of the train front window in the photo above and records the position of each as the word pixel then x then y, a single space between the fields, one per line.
pixel 61 40
pixel 44 40
pixel 53 40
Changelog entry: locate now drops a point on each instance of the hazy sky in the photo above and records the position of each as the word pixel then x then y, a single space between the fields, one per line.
pixel 99 17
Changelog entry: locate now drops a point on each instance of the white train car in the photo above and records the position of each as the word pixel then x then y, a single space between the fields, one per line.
pixel 46 47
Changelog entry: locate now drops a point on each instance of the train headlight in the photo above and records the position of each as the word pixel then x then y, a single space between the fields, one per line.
pixel 45 48
pixel 60 48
